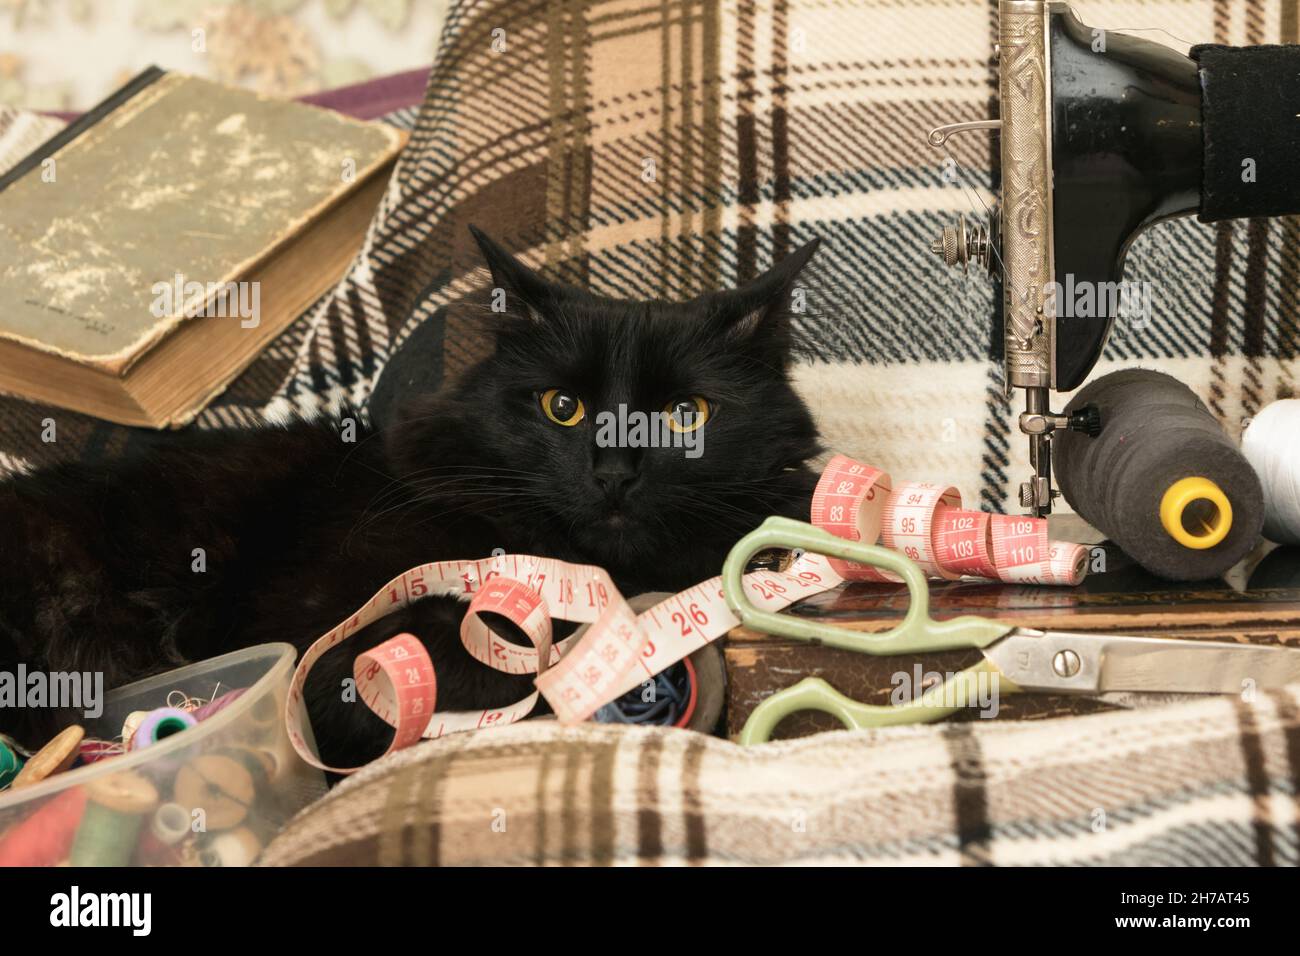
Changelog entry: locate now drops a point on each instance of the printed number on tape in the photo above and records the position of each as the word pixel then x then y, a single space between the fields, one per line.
pixel 621 649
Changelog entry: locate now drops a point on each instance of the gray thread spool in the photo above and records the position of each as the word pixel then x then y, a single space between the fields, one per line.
pixel 1155 433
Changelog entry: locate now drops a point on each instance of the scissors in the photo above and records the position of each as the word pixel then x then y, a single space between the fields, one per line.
pixel 1016 659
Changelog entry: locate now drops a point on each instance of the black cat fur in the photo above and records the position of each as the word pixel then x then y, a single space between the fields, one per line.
pixel 299 527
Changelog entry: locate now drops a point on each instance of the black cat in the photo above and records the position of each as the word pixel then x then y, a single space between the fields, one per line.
pixel 299 526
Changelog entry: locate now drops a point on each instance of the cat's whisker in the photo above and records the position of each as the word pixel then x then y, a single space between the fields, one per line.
pixel 372 515
pixel 478 469
pixel 397 486
pixel 515 515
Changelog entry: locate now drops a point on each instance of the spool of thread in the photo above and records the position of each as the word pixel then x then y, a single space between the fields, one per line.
pixel 236 848
pixel 160 724
pixel 45 838
pixel 132 724
pixel 115 810
pixel 158 843
pixel 217 704
pixel 1272 445
pixel 171 823
pixel 96 750
pixel 10 764
pixel 1162 480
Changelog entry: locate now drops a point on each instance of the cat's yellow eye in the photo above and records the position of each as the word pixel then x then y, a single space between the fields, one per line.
pixel 687 414
pixel 562 407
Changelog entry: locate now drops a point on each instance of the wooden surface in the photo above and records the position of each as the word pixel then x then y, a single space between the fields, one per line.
pixel 1257 602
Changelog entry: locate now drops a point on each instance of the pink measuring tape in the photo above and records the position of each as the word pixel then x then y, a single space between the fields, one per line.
pixel 620 649
pixel 926 522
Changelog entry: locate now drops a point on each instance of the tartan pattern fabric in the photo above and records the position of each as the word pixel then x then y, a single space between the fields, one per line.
pixel 1207 783
pixel 663 149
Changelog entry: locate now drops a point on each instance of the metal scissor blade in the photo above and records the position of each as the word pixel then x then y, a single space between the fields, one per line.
pixel 1061 662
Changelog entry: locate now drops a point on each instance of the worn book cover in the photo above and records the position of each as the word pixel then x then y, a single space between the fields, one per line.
pixel 157 217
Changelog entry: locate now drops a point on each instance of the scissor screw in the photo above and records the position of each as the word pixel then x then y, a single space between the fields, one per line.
pixel 1066 663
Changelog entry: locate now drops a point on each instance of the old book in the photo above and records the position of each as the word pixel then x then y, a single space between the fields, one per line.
pixel 151 250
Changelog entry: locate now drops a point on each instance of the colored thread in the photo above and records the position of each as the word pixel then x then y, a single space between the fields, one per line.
pixel 685 719
pixel 1272 447
pixel 106 836
pixel 15 746
pixel 45 837
pixel 115 810
pixel 217 704
pixel 159 844
pixel 1156 434
pixel 10 764
pixel 671 703
pixel 160 724
pixel 171 822
pixel 183 701
pixel 151 851
pixel 93 751
pixel 131 724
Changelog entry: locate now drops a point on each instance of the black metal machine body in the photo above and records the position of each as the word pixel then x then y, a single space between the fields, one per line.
pixel 1102 135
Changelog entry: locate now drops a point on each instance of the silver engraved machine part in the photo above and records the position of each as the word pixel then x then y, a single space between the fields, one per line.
pixel 1019 240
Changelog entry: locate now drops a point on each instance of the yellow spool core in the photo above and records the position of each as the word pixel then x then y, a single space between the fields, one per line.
pixel 1201 527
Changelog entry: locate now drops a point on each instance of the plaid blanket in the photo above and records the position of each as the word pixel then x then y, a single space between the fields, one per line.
pixel 1208 783
pixel 661 149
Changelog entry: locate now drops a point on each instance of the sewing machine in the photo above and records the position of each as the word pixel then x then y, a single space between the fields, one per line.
pixel 1102 135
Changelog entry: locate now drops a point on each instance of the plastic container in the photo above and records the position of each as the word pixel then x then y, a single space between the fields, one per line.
pixel 209 795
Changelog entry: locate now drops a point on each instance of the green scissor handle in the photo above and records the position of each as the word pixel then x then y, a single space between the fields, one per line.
pixel 917 633
pixel 813 693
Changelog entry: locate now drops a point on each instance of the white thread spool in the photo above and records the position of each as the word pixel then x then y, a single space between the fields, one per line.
pixel 236 848
pixel 171 823
pixel 131 725
pixel 1272 446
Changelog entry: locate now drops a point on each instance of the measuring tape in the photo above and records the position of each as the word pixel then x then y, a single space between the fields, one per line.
pixel 621 649
pixel 618 652
pixel 926 522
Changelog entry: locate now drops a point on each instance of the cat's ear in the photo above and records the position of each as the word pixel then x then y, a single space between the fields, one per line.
pixel 525 291
pixel 759 311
